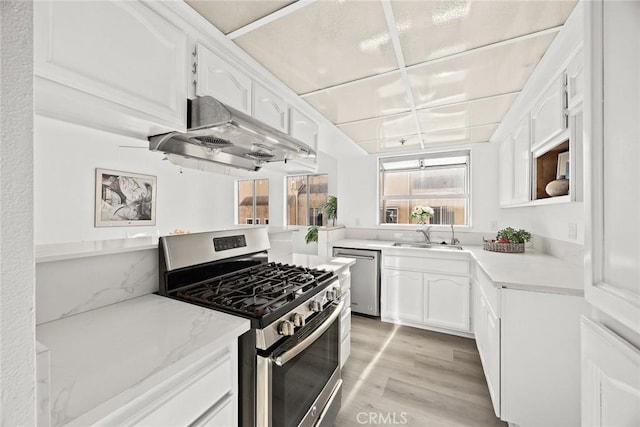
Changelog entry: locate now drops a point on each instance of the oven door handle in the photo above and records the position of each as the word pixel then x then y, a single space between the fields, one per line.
pixel 290 354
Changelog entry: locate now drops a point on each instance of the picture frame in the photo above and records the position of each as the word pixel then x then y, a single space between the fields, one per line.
pixel 391 216
pixel 249 221
pixel 124 199
pixel 563 165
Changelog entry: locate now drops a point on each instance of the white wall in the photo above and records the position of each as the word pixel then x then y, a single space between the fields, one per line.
pixel 17 276
pixel 66 156
pixel 358 200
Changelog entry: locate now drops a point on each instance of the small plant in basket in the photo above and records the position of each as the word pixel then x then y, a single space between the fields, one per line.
pixel 511 235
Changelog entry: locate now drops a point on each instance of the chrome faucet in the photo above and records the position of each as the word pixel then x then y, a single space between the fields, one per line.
pixel 426 232
pixel 454 241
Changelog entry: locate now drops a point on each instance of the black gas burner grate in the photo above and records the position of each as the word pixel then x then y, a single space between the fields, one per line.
pixel 257 291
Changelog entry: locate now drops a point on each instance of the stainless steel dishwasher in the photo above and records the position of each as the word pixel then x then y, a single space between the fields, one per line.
pixel 365 279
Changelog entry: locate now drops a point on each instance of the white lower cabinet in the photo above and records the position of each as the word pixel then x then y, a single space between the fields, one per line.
pixel 204 394
pixel 345 318
pixel 529 345
pixel 425 299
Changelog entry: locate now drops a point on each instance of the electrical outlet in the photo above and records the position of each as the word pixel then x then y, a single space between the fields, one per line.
pixel 493 225
pixel 573 231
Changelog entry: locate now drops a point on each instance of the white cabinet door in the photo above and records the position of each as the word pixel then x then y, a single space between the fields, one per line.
pixel 548 117
pixel 121 52
pixel 218 78
pixel 269 108
pixel 505 166
pixel 303 128
pixel 612 174
pixel 446 301
pixel 487 333
pixel 575 80
pixel 521 162
pixel 611 396
pixel 403 295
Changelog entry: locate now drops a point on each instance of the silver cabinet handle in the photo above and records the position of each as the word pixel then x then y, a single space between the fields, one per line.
pixel 313 336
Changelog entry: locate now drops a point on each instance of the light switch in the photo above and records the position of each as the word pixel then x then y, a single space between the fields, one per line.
pixel 573 231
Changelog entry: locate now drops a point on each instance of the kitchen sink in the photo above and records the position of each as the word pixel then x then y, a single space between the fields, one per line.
pixel 427 245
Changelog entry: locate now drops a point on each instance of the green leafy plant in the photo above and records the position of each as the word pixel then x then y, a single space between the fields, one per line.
pixel 312 234
pixel 331 208
pixel 513 236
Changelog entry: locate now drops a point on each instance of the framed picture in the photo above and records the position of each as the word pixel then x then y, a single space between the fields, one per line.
pixel 266 221
pixel 249 220
pixel 391 216
pixel 257 220
pixel 563 165
pixel 125 199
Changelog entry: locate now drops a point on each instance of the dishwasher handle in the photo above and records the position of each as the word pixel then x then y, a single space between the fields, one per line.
pixel 348 255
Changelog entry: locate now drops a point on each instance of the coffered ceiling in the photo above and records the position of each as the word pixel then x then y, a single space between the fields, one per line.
pixel 398 75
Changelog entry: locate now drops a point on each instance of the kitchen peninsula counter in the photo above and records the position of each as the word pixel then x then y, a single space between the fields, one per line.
pixel 105 358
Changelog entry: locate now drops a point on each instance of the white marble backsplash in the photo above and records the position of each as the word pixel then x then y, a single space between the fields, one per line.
pixel 43 385
pixel 72 286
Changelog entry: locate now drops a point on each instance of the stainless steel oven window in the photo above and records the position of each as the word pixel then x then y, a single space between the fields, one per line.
pixel 288 394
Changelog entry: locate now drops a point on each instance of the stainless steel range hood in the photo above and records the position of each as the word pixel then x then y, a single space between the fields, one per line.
pixel 220 136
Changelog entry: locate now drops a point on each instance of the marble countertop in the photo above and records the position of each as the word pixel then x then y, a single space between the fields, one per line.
pixel 530 271
pixel 99 357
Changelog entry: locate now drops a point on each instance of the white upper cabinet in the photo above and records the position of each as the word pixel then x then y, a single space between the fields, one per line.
pixel 575 80
pixel 216 77
pixel 120 54
pixel 521 162
pixel 303 128
pixel 269 108
pixel 548 117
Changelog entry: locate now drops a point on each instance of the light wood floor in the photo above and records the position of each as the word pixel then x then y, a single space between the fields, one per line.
pixel 397 375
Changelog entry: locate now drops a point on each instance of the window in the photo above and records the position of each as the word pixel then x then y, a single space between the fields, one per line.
pixel 305 196
pixel 253 201
pixel 438 180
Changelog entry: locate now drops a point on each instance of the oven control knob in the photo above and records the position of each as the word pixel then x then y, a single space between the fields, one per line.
pixel 333 294
pixel 315 306
pixel 298 320
pixel 285 328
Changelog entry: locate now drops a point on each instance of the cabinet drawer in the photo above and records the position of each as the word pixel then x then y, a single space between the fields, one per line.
pixel 345 349
pixel 220 415
pixel 345 280
pixel 437 265
pixel 193 396
pixel 345 323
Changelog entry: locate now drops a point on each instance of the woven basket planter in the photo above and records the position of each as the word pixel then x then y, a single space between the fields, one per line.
pixel 507 248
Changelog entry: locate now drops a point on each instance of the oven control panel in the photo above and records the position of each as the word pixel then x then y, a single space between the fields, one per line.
pixel 229 242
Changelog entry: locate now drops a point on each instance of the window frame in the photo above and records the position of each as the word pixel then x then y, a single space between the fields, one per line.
pixel 307 195
pixel 468 195
pixel 254 218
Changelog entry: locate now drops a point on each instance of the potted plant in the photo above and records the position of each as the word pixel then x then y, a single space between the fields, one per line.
pixel 421 213
pixel 312 234
pixel 508 240
pixel 511 235
pixel 331 209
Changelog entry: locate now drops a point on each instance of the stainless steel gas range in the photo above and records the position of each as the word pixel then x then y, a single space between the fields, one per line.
pixel 289 361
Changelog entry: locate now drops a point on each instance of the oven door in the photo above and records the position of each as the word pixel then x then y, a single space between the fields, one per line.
pixel 298 382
